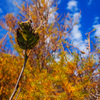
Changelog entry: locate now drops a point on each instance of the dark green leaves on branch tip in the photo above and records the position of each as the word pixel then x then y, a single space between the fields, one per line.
pixel 26 36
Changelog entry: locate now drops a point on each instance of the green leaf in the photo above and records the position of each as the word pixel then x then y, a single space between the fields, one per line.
pixel 26 36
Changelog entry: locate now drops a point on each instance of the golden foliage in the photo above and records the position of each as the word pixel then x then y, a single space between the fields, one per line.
pixel 44 78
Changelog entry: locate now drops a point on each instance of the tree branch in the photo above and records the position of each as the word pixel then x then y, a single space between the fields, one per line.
pixel 18 94
pixel 16 86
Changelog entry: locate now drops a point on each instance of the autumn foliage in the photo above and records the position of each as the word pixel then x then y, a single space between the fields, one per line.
pixel 56 69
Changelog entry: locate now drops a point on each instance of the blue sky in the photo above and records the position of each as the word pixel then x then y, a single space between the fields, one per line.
pixel 89 18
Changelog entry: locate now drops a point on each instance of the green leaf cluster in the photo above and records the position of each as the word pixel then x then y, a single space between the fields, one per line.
pixel 26 36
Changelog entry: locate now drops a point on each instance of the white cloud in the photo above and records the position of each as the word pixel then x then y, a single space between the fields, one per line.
pixel 90 1
pixel 77 16
pixel 81 45
pixel 76 33
pixel 97 27
pixel 96 20
pixel 72 5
